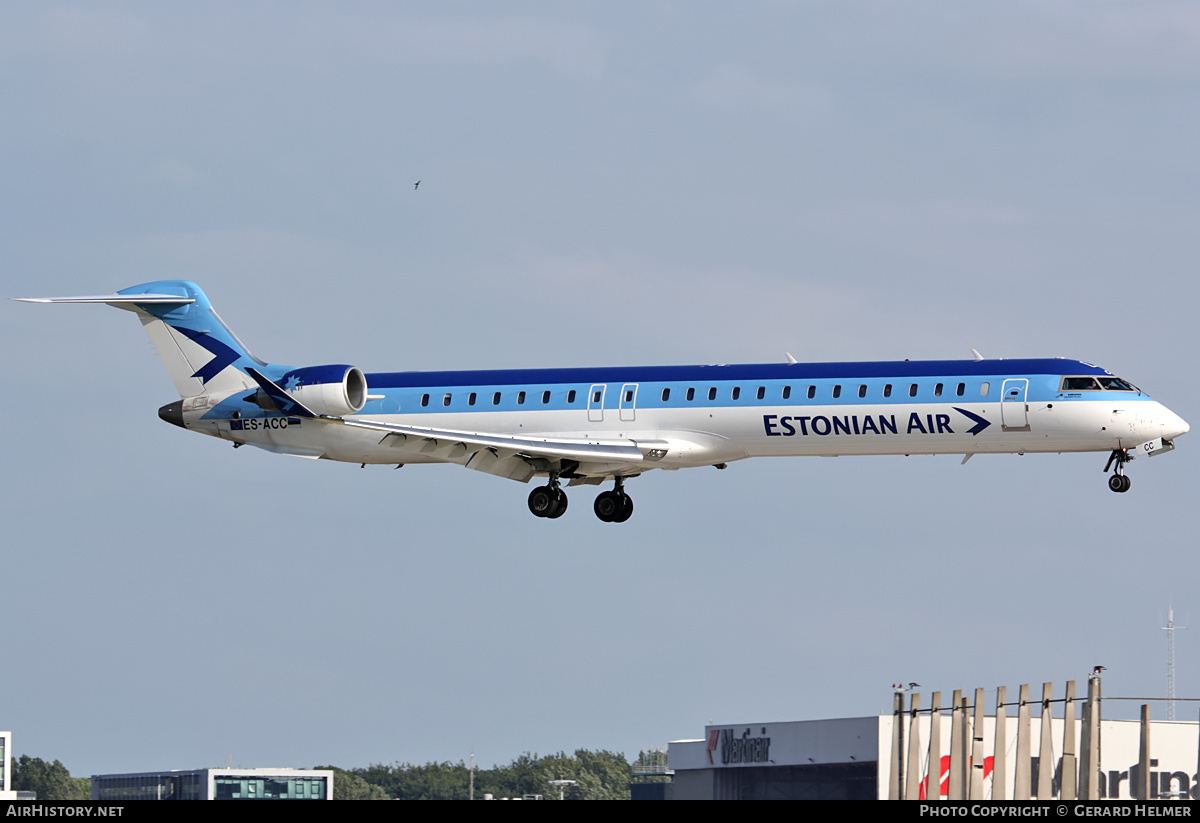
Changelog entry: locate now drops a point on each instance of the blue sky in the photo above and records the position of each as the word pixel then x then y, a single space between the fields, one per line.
pixel 602 184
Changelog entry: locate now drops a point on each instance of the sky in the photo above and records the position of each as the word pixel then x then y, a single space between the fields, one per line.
pixel 602 183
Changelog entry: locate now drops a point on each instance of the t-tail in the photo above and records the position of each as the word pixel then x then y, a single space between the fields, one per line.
pixel 203 357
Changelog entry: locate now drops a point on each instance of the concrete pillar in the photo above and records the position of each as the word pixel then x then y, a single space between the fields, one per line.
pixel 975 786
pixel 933 787
pixel 912 774
pixel 956 788
pixel 1021 784
pixel 1067 787
pixel 1000 749
pixel 1045 750
pixel 896 768
pixel 1140 788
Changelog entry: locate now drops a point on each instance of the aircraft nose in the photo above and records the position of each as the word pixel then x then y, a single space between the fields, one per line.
pixel 1173 424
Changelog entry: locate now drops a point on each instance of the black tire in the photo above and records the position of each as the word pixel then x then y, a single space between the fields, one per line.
pixel 1117 483
pixel 626 509
pixel 562 504
pixel 1125 482
pixel 607 506
pixel 543 501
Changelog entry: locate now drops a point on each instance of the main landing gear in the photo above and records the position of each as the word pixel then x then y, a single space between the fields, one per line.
pixel 551 501
pixel 614 506
pixel 1118 482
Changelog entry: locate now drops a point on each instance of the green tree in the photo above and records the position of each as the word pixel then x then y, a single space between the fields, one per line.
pixel 349 786
pixel 51 781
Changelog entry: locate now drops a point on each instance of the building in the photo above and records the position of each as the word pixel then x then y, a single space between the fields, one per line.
pixel 851 758
pixel 6 791
pixel 216 784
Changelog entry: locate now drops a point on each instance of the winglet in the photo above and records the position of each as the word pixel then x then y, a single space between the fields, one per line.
pixel 282 400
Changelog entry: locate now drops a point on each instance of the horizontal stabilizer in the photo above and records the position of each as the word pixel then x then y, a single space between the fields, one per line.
pixel 111 299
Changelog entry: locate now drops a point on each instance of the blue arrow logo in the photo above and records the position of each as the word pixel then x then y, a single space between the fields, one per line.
pixel 980 423
pixel 224 355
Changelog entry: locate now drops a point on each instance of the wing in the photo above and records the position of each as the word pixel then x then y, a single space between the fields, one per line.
pixel 500 454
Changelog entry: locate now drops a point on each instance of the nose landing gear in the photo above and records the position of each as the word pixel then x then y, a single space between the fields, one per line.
pixel 1118 482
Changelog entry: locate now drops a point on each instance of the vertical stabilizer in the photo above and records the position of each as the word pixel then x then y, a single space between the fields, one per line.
pixel 201 354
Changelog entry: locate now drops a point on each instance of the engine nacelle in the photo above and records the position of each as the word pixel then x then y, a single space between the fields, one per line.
pixel 335 390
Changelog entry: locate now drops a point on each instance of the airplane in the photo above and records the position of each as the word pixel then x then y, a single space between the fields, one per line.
pixel 592 425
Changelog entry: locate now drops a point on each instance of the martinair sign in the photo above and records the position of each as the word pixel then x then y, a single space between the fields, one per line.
pixel 732 748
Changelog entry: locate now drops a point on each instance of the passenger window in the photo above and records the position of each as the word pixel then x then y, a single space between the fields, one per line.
pixel 571 396
pixel 862 391
pixel 596 395
pixel 787 392
pixel 424 400
pixel 736 393
pixel 961 390
pixel 446 399
pixel 937 390
pixel 666 395
pixel 520 398
pixel 712 393
pixel 545 397
pixel 984 388
pixel 887 390
pixel 912 390
pixel 837 391
pixel 471 399
pixel 812 392
pixel 629 395
pixel 762 392
pixel 691 394
pixel 496 399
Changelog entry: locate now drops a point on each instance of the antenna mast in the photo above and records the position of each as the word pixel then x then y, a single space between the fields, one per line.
pixel 1170 629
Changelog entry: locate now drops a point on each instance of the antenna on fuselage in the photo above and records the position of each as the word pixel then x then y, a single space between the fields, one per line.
pixel 975 352
pixel 789 357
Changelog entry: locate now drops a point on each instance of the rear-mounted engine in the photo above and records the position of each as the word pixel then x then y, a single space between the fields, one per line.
pixel 335 390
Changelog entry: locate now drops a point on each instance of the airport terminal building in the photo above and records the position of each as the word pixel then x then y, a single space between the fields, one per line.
pixel 216 784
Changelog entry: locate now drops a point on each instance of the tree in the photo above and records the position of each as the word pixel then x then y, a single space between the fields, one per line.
pixel 51 781
pixel 349 786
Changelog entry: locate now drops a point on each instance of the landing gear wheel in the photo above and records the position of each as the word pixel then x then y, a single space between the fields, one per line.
pixel 1126 482
pixel 562 505
pixel 1119 483
pixel 544 501
pixel 626 509
pixel 609 506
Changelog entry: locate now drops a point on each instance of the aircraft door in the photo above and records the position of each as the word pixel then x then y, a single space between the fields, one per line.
pixel 1014 411
pixel 628 403
pixel 596 403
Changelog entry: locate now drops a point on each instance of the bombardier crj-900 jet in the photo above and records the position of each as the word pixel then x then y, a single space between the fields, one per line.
pixel 591 425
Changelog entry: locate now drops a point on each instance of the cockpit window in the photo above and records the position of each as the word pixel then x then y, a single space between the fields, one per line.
pixel 1080 384
pixel 1116 384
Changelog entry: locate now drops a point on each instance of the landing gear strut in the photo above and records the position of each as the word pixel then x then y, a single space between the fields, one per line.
pixel 614 506
pixel 1118 482
pixel 548 500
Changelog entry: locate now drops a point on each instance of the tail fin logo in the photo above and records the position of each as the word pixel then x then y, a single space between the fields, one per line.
pixel 223 355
